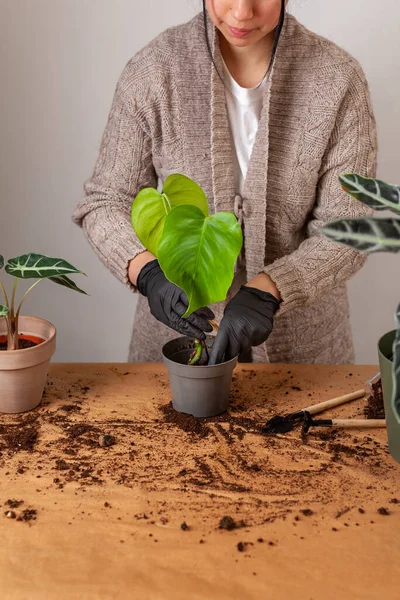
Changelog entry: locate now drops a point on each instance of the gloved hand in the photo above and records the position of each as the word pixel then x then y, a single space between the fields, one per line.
pixel 168 303
pixel 247 321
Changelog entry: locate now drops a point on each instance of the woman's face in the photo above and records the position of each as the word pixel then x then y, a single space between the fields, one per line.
pixel 244 22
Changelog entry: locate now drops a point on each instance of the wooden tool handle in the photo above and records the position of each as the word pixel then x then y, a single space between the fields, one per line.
pixel 360 423
pixel 316 408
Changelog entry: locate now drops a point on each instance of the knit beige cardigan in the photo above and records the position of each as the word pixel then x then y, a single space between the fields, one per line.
pixel 169 116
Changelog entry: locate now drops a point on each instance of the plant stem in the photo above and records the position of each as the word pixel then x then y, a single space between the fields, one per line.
pixel 25 295
pixel 8 326
pixel 12 337
pixel 4 294
pixel 196 356
pixel 14 318
pixel 13 297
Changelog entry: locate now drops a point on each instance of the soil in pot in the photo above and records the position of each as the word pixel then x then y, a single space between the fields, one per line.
pixel 24 341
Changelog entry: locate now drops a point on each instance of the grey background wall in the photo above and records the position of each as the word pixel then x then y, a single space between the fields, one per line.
pixel 59 64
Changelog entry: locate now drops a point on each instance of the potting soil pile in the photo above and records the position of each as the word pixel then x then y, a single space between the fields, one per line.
pixel 107 480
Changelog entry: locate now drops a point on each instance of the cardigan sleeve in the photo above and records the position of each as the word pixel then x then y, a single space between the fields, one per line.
pixel 318 265
pixel 124 166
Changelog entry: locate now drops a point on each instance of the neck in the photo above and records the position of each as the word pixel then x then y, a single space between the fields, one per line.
pixel 247 65
pixel 252 57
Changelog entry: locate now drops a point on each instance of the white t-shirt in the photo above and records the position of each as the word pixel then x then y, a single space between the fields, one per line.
pixel 244 110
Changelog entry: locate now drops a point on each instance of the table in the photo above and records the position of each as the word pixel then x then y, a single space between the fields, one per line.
pixel 140 518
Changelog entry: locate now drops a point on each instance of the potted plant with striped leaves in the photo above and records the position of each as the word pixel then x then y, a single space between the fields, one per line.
pixel 367 235
pixel 27 343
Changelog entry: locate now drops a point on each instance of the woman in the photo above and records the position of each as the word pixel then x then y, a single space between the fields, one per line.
pixel 264 115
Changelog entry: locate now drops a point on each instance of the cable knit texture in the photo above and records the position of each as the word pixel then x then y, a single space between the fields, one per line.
pixel 169 115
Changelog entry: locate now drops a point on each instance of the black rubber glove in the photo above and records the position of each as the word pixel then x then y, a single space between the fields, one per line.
pixel 248 320
pixel 168 303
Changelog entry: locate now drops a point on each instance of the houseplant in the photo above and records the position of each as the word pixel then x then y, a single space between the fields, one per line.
pixel 370 234
pixel 176 227
pixel 25 357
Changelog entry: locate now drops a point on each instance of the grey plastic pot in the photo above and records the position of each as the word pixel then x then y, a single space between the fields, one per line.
pixel 201 391
pixel 385 351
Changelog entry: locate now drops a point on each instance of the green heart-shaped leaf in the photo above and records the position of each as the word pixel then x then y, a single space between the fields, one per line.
pixel 183 190
pixel 67 282
pixel 374 193
pixel 150 208
pixel 4 310
pixel 198 253
pixel 38 266
pixel 1 261
pixel 365 234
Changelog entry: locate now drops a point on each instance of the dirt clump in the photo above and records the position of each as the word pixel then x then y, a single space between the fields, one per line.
pixel 229 524
pixel 29 514
pixel 17 437
pixel 375 407
pixel 187 423
pixel 383 511
pixel 106 440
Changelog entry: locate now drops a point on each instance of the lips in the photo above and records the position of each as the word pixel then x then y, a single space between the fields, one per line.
pixel 239 32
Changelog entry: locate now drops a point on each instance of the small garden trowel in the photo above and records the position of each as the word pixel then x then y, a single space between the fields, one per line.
pixel 286 423
pixel 343 423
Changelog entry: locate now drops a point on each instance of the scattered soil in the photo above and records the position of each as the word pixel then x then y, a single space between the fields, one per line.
pixel 343 512
pixel 229 524
pixel 185 422
pixel 14 503
pixel 71 408
pixel 375 407
pixel 17 438
pixel 238 426
pixel 383 511
pixel 185 527
pixel 224 464
pixel 29 514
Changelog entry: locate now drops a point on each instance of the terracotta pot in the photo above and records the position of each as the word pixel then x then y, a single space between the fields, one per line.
pixel 23 373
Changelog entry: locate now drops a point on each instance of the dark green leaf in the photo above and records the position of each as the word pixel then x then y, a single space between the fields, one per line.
pixel 67 282
pixel 38 266
pixel 198 253
pixel 1 261
pixel 150 208
pixel 4 310
pixel 365 234
pixel 374 193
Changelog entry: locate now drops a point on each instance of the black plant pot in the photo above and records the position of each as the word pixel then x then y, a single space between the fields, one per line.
pixel 201 391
